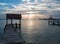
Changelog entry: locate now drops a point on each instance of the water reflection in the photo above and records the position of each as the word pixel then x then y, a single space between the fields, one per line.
pixel 30 24
pixel 32 29
pixel 38 31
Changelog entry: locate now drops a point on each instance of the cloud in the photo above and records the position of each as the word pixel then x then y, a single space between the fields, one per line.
pixel 47 7
pixel 37 7
pixel 26 0
pixel 3 3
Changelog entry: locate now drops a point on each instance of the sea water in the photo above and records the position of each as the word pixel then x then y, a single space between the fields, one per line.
pixel 36 31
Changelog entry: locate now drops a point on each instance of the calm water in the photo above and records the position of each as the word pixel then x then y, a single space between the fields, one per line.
pixel 37 31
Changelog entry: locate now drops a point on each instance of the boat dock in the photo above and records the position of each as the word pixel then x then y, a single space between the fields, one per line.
pixel 54 22
pixel 12 35
pixel 12 32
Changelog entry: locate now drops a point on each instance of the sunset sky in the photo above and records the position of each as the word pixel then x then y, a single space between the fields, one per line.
pixel 38 8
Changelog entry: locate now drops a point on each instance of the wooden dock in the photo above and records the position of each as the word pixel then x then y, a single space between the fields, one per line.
pixel 54 22
pixel 12 36
pixel 12 32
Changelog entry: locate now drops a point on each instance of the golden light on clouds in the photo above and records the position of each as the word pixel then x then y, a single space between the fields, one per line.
pixel 34 16
pixel 28 16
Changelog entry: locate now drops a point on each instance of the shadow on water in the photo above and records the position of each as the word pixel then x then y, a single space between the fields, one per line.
pixel 12 35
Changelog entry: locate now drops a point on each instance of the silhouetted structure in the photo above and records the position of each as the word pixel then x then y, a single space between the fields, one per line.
pixel 11 35
pixel 50 18
pixel 54 22
pixel 12 17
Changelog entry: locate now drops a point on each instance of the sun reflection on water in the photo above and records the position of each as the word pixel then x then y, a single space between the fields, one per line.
pixel 30 25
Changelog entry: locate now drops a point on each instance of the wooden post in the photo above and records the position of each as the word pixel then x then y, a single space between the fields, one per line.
pixel 11 21
pixel 19 23
pixel 58 22
pixel 6 21
pixel 16 25
pixel 53 22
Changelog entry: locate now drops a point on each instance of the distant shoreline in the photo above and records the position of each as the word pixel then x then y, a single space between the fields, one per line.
pixel 33 19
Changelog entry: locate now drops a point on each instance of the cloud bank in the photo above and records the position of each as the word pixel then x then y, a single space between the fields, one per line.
pixel 32 6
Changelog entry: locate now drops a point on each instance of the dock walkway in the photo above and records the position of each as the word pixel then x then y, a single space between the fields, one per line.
pixel 11 36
